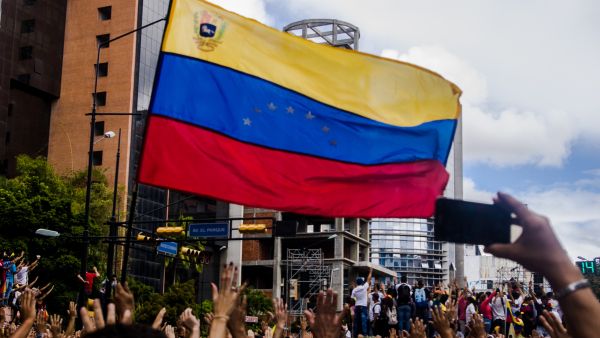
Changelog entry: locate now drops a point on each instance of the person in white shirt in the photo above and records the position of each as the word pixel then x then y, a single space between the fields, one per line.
pixel 22 275
pixel 359 293
pixel 498 305
pixel 471 310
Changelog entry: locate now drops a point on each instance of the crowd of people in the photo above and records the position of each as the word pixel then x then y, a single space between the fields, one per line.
pixel 393 310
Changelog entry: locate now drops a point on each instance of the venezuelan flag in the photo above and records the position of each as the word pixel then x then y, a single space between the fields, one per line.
pixel 244 113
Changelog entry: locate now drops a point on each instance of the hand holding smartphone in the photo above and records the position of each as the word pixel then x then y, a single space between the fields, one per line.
pixel 471 223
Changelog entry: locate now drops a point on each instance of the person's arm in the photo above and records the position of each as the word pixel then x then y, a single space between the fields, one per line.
pixel 34 264
pixel 488 299
pixel 96 272
pixel 224 299
pixel 369 276
pixel 281 316
pixel 538 249
pixel 27 314
pixel 47 293
pixel 72 317
pixel 17 259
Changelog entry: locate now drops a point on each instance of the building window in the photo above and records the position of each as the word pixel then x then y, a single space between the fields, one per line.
pixel 102 69
pixel 24 78
pixel 104 13
pixel 100 98
pixel 102 40
pixel 97 157
pixel 27 26
pixel 26 53
pixel 99 128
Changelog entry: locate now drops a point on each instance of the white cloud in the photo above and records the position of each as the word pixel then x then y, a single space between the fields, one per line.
pixel 572 209
pixel 529 69
pixel 255 9
pixel 503 137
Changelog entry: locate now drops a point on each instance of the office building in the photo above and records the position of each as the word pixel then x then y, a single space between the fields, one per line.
pixel 31 52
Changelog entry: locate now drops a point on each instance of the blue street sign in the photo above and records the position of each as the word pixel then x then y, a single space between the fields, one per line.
pixel 208 230
pixel 167 248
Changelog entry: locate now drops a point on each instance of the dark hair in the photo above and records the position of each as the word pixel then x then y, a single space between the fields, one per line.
pixel 126 331
pixel 375 297
pixel 403 279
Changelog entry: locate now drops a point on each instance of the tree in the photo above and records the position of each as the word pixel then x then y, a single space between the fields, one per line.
pixel 39 198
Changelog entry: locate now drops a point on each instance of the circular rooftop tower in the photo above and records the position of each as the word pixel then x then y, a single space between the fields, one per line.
pixel 333 32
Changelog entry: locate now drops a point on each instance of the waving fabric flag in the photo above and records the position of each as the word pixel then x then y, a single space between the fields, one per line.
pixel 244 113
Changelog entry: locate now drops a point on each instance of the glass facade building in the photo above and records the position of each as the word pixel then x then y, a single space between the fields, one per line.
pixel 144 264
pixel 407 245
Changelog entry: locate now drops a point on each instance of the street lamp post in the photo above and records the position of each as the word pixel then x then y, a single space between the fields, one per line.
pixel 88 188
pixel 113 218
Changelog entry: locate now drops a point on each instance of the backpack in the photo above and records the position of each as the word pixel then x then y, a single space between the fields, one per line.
pixel 420 298
pixel 403 294
pixel 382 318
pixel 392 315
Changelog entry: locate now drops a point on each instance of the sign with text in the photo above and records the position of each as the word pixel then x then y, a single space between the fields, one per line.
pixel 590 267
pixel 167 248
pixel 208 229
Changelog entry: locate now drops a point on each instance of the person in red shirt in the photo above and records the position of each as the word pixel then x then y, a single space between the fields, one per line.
pixel 462 311
pixel 486 310
pixel 88 282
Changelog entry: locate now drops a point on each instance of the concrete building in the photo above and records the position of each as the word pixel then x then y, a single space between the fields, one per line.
pixel 344 243
pixel 31 52
pixel 126 73
pixel 407 246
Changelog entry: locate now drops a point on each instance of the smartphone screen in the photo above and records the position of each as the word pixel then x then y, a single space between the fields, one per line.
pixel 471 223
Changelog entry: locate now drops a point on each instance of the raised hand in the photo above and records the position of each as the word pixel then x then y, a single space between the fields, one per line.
pixel 236 323
pixel 441 323
pixel 281 316
pixel 189 320
pixel 124 301
pixel 159 318
pixel 553 326
pixel 477 327
pixel 224 299
pixel 169 331
pixel 55 325
pixel 417 329
pixel 40 322
pixel 326 323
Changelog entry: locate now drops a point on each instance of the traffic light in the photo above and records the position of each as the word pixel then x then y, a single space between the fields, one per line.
pixel 144 237
pixel 201 257
pixel 170 231
pixel 253 228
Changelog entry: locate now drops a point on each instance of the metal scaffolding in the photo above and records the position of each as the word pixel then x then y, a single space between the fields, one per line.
pixel 306 276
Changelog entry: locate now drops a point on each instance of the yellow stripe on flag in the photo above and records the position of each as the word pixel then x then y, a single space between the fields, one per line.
pixel 385 90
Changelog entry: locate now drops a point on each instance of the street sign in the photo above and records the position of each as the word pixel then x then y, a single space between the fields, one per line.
pixel 208 230
pixel 251 319
pixel 167 248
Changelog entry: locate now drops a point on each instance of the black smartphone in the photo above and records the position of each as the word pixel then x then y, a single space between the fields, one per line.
pixel 471 223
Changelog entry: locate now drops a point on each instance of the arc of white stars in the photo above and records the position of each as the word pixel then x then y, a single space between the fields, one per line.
pixel 247 121
pixel 272 106
pixel 325 129
pixel 290 110
pixel 309 115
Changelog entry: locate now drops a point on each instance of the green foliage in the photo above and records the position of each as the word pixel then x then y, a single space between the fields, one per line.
pixel 39 198
pixel 258 304
pixel 177 298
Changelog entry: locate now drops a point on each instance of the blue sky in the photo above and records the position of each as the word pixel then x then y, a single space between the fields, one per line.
pixel 530 75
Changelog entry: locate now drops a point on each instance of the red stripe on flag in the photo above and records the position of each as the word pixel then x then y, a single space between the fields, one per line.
pixel 187 158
